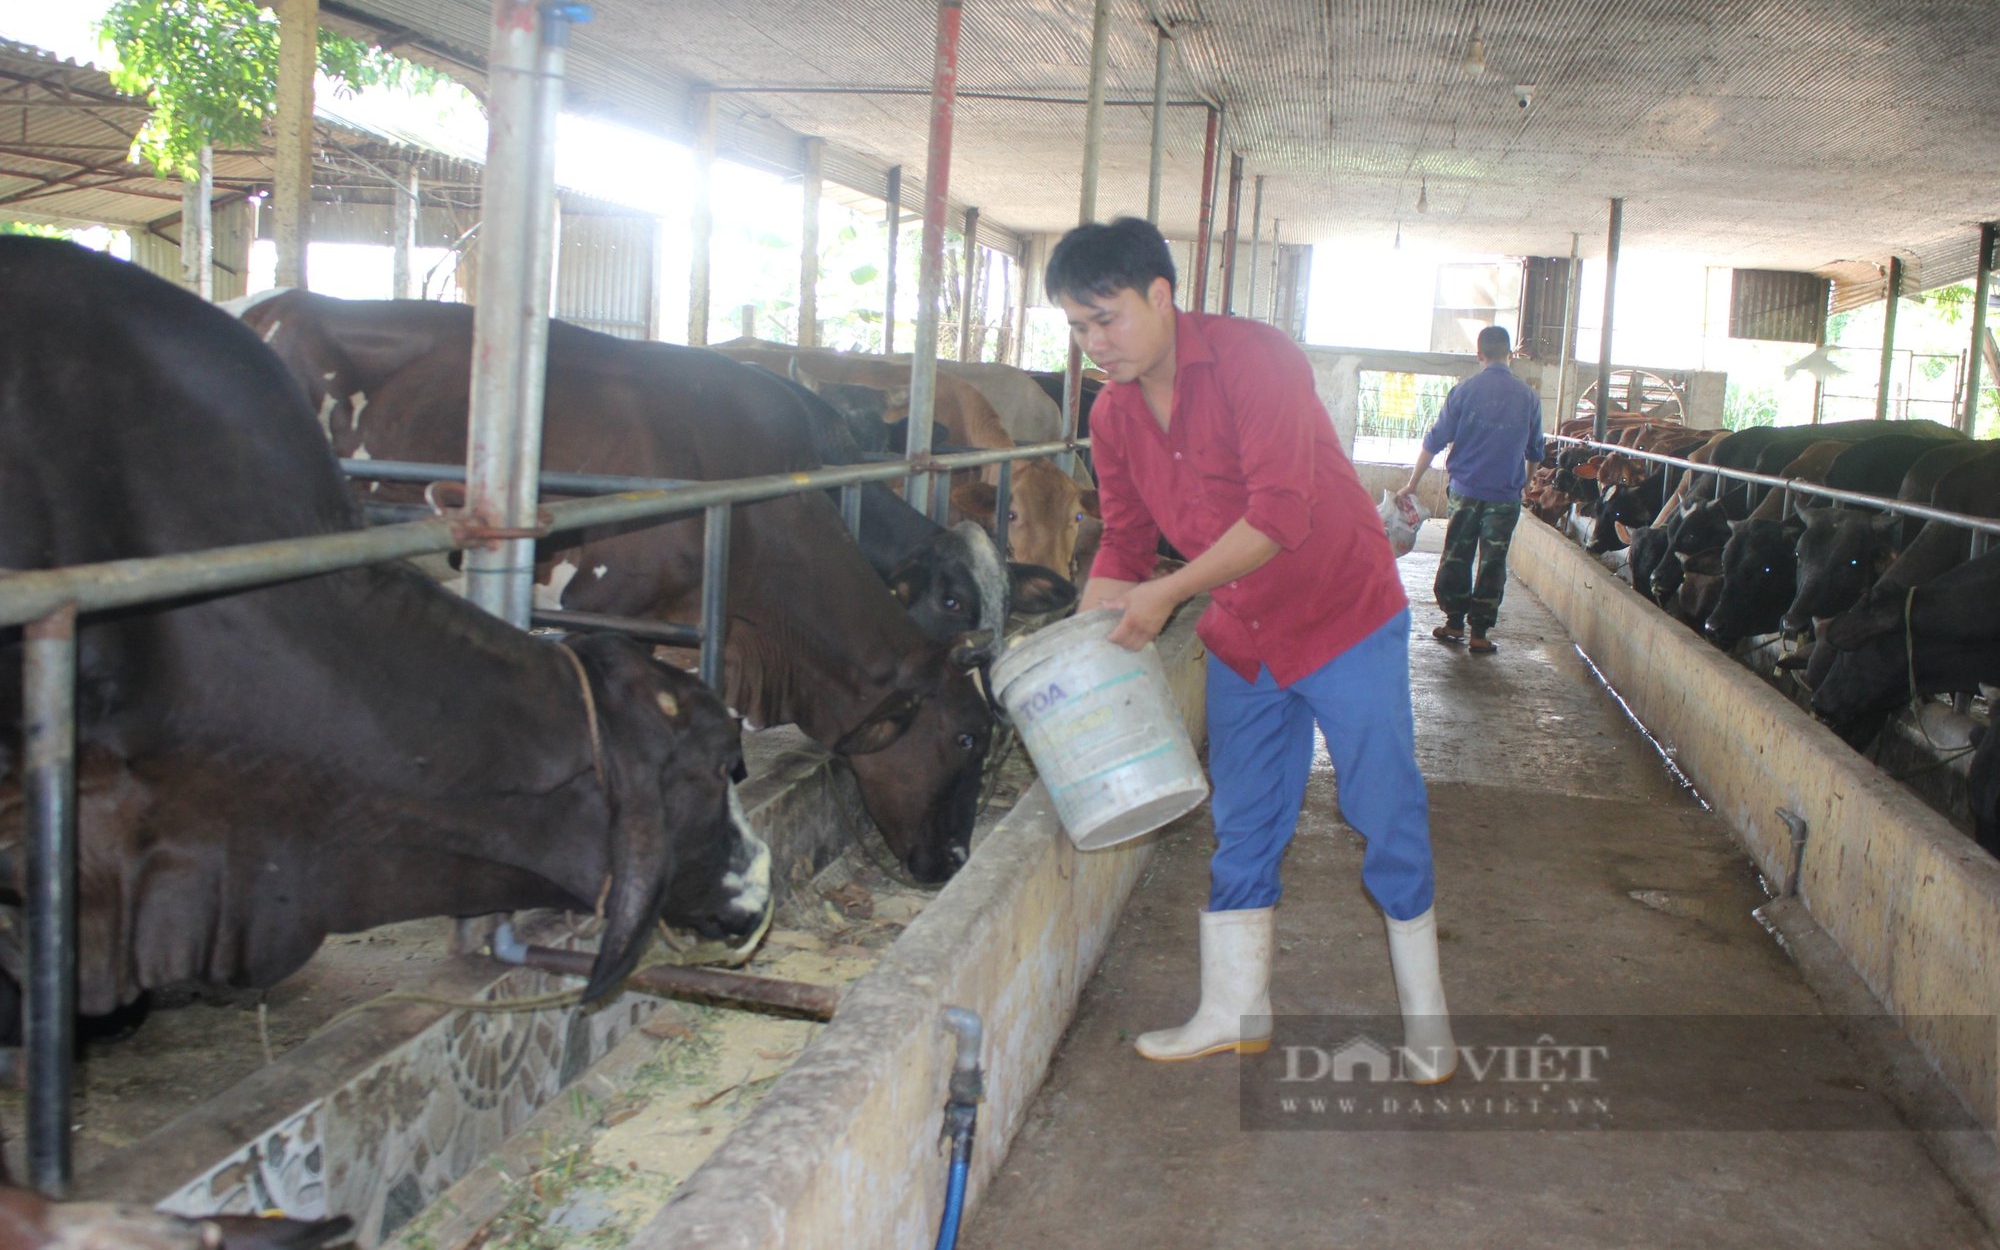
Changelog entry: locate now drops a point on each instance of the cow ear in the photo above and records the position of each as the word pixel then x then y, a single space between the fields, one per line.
pixel 881 727
pixel 1886 525
pixel 975 498
pixel 1737 525
pixel 1038 590
pixel 1811 516
pixel 1587 470
pixel 1088 500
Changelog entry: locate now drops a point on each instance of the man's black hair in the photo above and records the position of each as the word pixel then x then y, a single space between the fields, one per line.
pixel 1494 343
pixel 1096 261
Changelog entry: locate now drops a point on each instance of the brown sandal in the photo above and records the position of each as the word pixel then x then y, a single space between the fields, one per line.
pixel 1449 633
pixel 1481 645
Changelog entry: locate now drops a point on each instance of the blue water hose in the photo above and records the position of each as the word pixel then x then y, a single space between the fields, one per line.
pixel 961 1117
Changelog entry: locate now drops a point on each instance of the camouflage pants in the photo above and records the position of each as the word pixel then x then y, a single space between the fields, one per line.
pixel 1480 530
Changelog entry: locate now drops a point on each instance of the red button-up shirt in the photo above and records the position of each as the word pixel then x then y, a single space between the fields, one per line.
pixel 1248 440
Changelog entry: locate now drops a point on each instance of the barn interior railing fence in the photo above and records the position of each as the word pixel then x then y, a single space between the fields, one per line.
pixel 46 603
pixel 1981 528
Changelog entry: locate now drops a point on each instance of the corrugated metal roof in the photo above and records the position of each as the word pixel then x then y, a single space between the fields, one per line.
pixel 1752 133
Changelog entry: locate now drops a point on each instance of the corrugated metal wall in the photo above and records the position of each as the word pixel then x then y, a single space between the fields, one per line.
pixel 1544 306
pixel 607 274
pixel 1774 304
pixel 160 252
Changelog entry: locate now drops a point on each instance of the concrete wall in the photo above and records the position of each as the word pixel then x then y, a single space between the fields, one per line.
pixel 1913 902
pixel 843 1152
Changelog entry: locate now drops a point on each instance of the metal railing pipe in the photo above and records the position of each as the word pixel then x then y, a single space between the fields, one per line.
pixel 49 704
pixel 850 509
pixel 1990 525
pixel 553 481
pixel 671 633
pixel 35 593
pixel 714 592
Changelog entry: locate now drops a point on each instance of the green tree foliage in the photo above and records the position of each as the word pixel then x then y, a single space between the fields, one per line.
pixel 35 229
pixel 209 68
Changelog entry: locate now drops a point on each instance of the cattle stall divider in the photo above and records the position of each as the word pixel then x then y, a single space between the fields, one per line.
pixel 1980 527
pixel 47 602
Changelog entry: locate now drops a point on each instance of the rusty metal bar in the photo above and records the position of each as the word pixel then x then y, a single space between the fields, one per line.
pixel 1205 219
pixel 672 981
pixel 1156 157
pixel 1233 224
pixel 1891 297
pixel 930 262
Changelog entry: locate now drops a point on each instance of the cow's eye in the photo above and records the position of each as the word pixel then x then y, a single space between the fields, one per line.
pixel 1856 562
pixel 1080 516
pixel 966 742
pixel 951 603
pixel 1012 516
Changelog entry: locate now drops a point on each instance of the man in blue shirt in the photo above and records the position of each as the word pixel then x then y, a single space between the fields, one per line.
pixel 1493 425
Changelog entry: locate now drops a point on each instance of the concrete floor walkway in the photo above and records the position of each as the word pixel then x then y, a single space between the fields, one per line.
pixel 1576 877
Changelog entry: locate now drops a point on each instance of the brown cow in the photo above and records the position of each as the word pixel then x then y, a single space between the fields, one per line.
pixel 815 639
pixel 1047 506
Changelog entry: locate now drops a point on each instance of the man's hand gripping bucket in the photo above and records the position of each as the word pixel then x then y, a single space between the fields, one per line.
pixel 1100 723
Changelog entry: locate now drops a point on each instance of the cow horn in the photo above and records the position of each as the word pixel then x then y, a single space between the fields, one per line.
pixel 973 649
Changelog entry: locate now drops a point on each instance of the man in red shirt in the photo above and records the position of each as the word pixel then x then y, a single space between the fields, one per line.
pixel 1211 432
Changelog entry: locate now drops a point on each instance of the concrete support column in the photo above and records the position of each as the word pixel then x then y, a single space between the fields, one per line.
pixel 198 226
pixel 407 211
pixel 1892 297
pixel 702 224
pixel 810 189
pixel 1612 239
pixel 291 190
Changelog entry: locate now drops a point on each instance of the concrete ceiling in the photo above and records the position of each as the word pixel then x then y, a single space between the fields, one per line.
pixel 1757 133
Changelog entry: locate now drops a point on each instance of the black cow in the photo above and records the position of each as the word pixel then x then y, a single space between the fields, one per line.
pixel 1758 567
pixel 815 639
pixel 258 770
pixel 1840 554
pixel 1650 547
pixel 1766 449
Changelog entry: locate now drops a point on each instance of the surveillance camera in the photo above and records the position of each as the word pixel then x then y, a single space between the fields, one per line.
pixel 1524 95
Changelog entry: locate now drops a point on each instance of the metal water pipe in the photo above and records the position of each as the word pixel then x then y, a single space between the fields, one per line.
pixel 1233 224
pixel 1205 218
pixel 930 267
pixel 1156 158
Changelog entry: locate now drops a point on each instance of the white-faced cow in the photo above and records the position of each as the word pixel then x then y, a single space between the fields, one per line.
pixel 260 769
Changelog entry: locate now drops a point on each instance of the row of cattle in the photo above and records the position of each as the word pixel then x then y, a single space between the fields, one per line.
pixel 1891 608
pixel 258 770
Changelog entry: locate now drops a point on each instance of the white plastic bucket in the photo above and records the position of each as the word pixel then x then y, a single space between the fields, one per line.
pixel 1100 723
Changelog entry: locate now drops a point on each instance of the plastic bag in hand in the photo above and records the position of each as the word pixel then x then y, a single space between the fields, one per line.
pixel 1400 524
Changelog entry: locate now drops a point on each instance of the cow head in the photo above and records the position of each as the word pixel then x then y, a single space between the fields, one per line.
pixel 1758 566
pixel 1841 554
pixel 958 584
pixel 680 849
pixel 920 753
pixel 1703 527
pixel 1648 549
pixel 1042 517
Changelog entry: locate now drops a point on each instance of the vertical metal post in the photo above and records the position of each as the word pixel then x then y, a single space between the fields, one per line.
pixel 850 509
pixel 930 266
pixel 1602 424
pixel 1205 219
pixel 1229 232
pixel 1256 243
pixel 894 220
pixel 1156 160
pixel 1093 111
pixel 1891 298
pixel 1215 191
pixel 966 341
pixel 291 187
pixel 811 191
pixel 48 689
pixel 1003 503
pixel 1277 259
pixel 1982 289
pixel 510 324
pixel 405 217
pixel 198 226
pixel 701 224
pixel 1572 296
pixel 714 593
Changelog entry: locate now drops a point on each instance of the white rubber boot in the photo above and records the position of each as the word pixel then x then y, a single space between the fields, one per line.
pixel 1235 1011
pixel 1429 1055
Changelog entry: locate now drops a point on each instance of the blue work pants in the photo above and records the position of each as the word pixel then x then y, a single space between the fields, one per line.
pixel 1260 754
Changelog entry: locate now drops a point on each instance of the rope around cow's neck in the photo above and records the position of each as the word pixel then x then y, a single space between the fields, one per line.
pixel 589 716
